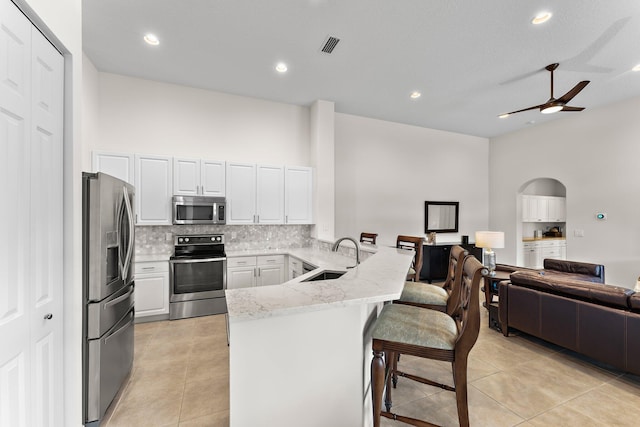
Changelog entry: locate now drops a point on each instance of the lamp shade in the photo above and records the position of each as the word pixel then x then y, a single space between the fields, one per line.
pixel 490 239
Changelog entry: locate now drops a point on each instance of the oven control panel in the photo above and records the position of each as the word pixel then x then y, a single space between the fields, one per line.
pixel 200 239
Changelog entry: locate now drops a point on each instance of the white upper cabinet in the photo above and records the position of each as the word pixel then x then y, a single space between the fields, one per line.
pixel 241 193
pixel 298 195
pixel 255 194
pixel 154 181
pixel 557 209
pixel 543 208
pixel 270 195
pixel 195 177
pixel 119 165
pixel 213 178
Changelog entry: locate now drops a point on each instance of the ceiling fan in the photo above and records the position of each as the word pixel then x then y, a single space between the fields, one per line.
pixel 553 105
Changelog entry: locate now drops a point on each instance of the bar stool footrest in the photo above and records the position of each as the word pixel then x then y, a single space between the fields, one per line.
pixel 424 381
pixel 407 420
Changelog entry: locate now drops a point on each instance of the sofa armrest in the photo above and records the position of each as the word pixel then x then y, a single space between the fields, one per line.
pixel 503 306
pixel 594 271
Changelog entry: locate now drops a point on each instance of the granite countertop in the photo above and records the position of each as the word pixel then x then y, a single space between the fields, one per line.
pixel 538 239
pixel 379 278
pixel 152 257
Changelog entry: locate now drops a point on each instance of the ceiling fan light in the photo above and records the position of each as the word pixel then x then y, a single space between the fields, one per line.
pixel 541 18
pixel 151 39
pixel 551 109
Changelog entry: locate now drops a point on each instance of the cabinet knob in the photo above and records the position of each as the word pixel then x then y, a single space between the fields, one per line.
pixel 48 316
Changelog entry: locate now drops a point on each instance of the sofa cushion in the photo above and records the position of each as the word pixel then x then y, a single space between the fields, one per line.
pixel 634 302
pixel 579 270
pixel 613 296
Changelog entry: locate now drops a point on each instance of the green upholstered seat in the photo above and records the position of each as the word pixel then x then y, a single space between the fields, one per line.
pixel 411 325
pixel 423 293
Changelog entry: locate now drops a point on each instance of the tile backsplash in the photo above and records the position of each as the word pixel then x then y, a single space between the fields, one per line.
pixel 152 240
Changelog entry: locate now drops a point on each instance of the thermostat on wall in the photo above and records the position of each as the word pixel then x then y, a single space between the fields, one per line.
pixel 601 216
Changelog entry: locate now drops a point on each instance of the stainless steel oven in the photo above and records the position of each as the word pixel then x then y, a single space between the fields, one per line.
pixel 197 276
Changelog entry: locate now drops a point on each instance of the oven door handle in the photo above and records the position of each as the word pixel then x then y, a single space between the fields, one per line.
pixel 191 261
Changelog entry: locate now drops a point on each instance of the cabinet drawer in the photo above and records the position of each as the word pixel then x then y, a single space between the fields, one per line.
pixel 241 261
pixel 270 259
pixel 151 267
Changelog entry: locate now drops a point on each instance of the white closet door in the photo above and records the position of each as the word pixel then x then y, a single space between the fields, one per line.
pixel 31 82
pixel 46 248
pixel 15 124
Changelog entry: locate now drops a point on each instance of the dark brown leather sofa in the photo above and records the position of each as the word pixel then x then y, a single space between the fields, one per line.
pixel 598 320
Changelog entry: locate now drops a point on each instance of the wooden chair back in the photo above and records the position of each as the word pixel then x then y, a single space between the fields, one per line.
pixel 368 238
pixel 414 244
pixel 454 276
pixel 467 311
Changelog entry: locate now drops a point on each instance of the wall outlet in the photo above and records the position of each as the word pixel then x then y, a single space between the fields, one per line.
pixel 168 237
pixel 234 234
pixel 578 233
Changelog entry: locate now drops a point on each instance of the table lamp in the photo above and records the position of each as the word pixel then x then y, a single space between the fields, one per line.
pixel 489 240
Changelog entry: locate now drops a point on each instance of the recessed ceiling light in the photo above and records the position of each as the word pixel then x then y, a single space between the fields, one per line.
pixel 541 18
pixel 636 68
pixel 151 39
pixel 415 95
pixel 504 116
pixel 281 67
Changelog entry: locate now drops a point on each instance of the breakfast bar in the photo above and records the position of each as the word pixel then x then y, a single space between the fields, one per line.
pixel 300 351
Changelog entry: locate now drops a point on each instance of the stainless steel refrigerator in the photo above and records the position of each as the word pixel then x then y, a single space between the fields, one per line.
pixel 108 303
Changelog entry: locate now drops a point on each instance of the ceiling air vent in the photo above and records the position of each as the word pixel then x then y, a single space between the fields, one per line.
pixel 330 44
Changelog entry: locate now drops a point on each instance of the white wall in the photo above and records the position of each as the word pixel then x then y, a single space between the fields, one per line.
pixel 143 116
pixel 322 144
pixel 594 154
pixel 386 171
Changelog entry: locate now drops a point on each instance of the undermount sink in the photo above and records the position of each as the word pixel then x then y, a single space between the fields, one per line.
pixel 324 275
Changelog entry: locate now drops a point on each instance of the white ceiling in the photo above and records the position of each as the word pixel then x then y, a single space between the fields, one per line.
pixel 472 60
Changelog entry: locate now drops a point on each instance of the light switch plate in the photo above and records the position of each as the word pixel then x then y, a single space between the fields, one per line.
pixel 578 233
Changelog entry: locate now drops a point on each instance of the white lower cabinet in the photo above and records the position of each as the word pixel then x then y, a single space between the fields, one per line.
pixel 536 252
pixel 248 271
pixel 294 268
pixel 152 288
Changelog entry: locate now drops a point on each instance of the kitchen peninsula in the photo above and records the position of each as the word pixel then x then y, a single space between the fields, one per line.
pixel 300 351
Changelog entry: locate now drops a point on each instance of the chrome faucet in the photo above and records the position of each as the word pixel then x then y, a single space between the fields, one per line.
pixel 335 246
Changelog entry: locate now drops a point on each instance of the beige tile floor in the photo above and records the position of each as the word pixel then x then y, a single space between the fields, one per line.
pixel 180 376
pixel 181 379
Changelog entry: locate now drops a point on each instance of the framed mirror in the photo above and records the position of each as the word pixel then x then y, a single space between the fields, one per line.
pixel 441 217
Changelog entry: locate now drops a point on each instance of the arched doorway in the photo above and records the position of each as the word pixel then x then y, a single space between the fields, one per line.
pixel 541 221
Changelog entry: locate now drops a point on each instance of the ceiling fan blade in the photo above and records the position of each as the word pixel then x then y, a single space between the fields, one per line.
pixel 573 92
pixel 567 108
pixel 527 109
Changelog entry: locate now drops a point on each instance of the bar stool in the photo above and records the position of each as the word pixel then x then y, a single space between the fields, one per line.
pixel 414 244
pixel 433 296
pixel 430 334
pixel 368 238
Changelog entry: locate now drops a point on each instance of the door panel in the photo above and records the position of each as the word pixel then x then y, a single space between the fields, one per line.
pixel 31 124
pixel 13 379
pixel 15 98
pixel 45 259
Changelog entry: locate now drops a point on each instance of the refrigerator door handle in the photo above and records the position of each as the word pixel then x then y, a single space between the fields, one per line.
pixel 119 299
pixel 121 255
pixel 129 212
pixel 119 330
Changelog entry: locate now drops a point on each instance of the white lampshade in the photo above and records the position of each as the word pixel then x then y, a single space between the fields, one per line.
pixel 490 239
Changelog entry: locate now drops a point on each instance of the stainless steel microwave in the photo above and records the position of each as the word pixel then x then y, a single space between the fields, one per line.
pixel 199 210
